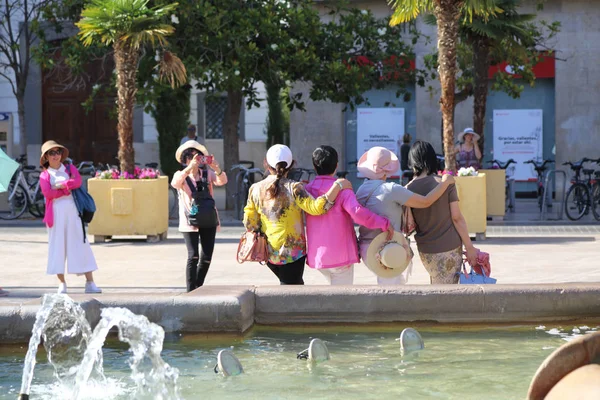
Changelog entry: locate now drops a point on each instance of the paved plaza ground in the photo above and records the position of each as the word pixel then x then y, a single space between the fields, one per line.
pixel 520 254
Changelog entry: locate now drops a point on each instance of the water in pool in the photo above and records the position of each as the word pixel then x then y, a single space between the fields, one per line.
pixel 366 362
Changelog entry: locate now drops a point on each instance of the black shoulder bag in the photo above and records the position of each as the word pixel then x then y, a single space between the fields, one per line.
pixel 203 212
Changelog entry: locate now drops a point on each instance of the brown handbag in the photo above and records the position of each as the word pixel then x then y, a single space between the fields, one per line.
pixel 253 247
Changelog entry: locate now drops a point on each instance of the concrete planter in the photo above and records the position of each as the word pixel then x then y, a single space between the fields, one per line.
pixel 495 180
pixel 473 202
pixel 130 207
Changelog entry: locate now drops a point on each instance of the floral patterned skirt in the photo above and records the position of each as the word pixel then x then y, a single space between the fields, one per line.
pixel 443 267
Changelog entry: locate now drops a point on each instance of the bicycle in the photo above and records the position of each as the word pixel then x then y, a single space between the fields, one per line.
pixel 583 193
pixel 509 192
pixel 24 193
pixel 540 169
pixel 243 180
pixel 297 174
pixel 352 170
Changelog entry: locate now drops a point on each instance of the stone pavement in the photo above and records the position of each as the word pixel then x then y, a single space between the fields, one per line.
pixel 519 254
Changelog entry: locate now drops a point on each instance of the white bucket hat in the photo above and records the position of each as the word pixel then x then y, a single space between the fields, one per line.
pixel 190 144
pixel 467 131
pixel 388 259
pixel 279 153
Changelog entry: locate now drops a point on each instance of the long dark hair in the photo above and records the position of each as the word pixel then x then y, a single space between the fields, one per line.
pixel 281 171
pixel 422 157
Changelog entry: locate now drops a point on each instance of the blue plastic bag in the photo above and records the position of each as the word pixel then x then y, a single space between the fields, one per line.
pixel 473 278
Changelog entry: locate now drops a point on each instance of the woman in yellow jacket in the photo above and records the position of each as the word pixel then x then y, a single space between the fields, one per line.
pixel 275 208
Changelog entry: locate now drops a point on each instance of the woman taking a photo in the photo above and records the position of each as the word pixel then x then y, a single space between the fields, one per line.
pixel 66 238
pixel 441 228
pixel 275 207
pixel 198 218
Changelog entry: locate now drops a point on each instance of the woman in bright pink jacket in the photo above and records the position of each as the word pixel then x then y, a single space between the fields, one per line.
pixel 332 244
pixel 66 238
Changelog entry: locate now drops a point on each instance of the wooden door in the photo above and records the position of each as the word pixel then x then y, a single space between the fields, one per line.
pixel 89 135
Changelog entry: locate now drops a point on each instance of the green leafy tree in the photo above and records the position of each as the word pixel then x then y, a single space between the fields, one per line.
pixel 229 45
pixel 130 26
pixel 276 124
pixel 448 14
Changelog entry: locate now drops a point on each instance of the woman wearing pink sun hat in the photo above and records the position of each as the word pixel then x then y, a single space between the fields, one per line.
pixel 387 199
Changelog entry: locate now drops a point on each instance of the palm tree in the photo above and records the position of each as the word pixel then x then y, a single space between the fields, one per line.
pixel 493 41
pixel 128 26
pixel 490 40
pixel 448 14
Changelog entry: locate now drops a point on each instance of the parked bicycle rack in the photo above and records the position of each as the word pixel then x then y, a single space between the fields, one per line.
pixel 564 193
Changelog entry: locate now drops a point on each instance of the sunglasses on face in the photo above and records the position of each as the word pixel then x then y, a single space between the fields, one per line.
pixel 189 154
pixel 52 153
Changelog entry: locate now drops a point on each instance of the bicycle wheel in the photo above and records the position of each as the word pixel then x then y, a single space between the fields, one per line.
pixel 577 201
pixel 596 200
pixel 17 204
pixel 173 203
pixel 38 208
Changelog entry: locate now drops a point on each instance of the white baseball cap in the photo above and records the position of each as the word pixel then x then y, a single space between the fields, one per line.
pixel 279 153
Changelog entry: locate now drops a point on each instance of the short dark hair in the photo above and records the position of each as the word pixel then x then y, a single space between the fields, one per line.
pixel 422 158
pixel 325 160
pixel 406 138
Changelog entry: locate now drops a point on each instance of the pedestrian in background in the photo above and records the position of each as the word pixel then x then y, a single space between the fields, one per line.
pixel 190 135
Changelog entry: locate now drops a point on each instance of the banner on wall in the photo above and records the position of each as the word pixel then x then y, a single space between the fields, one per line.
pixel 382 127
pixel 518 134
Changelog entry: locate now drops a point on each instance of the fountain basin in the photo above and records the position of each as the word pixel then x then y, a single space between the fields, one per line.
pixel 236 309
pixel 458 362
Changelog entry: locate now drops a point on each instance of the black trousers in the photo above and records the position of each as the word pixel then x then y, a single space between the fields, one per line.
pixel 198 264
pixel 289 274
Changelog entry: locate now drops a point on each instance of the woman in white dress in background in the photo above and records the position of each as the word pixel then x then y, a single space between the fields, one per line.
pixel 66 238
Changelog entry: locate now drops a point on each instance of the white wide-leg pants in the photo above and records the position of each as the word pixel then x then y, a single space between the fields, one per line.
pixel 65 241
pixel 339 275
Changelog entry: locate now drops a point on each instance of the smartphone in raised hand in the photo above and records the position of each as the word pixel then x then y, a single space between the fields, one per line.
pixel 207 160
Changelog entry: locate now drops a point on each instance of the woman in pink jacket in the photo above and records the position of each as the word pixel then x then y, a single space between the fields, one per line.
pixel 66 240
pixel 332 244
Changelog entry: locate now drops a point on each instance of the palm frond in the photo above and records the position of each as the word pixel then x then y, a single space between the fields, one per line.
pixel 407 10
pixel 108 21
pixel 172 69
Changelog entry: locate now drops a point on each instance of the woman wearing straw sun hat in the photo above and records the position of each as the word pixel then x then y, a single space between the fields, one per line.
pixel 194 186
pixel 387 199
pixel 66 239
pixel 468 153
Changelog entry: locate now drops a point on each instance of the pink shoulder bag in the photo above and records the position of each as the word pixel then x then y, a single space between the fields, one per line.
pixel 253 247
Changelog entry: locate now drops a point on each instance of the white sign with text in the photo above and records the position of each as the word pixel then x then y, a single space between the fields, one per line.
pixel 518 134
pixel 382 127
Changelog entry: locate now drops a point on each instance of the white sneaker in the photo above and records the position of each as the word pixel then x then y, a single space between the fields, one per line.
pixel 90 287
pixel 62 288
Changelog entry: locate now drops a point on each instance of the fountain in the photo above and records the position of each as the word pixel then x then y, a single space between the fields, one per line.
pixel 75 351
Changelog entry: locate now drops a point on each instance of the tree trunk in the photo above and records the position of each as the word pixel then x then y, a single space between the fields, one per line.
pixel 447 13
pixel 126 59
pixel 481 64
pixel 22 123
pixel 231 141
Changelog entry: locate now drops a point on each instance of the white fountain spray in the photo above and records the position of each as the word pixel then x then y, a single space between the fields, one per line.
pixel 75 351
pixel 145 340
